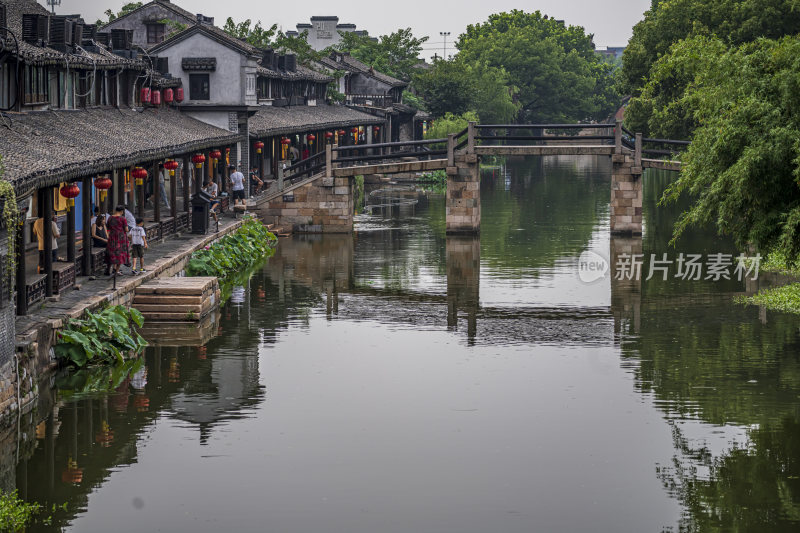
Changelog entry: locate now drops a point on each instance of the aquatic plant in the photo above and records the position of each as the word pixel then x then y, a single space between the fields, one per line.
pixel 105 337
pixel 15 513
pixel 234 252
pixel 786 298
pixel 96 379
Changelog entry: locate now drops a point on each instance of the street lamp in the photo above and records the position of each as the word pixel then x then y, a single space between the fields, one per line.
pixel 445 34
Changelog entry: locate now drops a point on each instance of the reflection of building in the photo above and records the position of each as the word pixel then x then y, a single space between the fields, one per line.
pixel 323 32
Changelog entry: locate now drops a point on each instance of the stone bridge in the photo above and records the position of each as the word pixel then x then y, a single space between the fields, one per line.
pixel 316 195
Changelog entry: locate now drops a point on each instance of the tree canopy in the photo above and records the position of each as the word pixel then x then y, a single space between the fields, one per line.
pixel 395 54
pixel 554 67
pixel 126 8
pixel 743 166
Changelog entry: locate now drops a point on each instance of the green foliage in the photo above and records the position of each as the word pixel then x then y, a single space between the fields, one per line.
pixel 256 36
pixel 126 8
pixel 10 216
pixel 558 75
pixel 106 337
pixel 732 22
pixel 450 123
pixel 299 46
pixel 743 167
pixel 395 54
pixel 786 298
pixel 97 379
pixel 411 99
pixel 435 181
pixel 172 27
pixel 251 242
pixel 15 513
pixel 458 86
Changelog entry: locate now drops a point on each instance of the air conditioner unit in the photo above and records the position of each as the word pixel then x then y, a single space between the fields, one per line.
pixel 291 63
pixel 161 64
pixel 103 38
pixel 89 34
pixel 77 33
pixel 121 39
pixel 35 29
pixel 60 33
pixel 282 62
pixel 2 21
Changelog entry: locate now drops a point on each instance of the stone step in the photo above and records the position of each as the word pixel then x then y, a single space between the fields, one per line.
pixel 143 299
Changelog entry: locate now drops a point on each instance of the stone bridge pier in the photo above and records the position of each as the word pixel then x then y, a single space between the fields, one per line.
pixel 626 291
pixel 463 200
pixel 626 188
pixel 325 205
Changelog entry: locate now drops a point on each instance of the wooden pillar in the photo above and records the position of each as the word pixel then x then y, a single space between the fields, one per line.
pixel 618 136
pixel 156 192
pixel 261 173
pixel 198 178
pixel 22 282
pixel 47 232
pixel 173 195
pixel 187 180
pixel 139 191
pixel 86 215
pixel 71 235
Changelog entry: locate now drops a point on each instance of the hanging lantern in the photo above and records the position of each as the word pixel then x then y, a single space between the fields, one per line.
pixel 198 160
pixel 215 154
pixel 354 131
pixel 172 166
pixel 70 191
pixel 285 141
pixel 103 183
pixel 168 96
pixel 179 94
pixel 139 174
pixel 376 129
pixel 156 97
pixel 341 133
pixel 144 95
pixel 329 135
pixel 311 138
pixel 258 145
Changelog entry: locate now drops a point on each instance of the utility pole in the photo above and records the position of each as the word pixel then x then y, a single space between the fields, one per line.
pixel 53 4
pixel 445 34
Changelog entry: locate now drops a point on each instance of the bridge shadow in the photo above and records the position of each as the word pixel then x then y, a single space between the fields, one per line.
pixel 463 282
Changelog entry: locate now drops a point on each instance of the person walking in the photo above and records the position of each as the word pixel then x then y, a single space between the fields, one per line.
pixel 237 185
pixel 138 244
pixel 38 230
pixel 118 239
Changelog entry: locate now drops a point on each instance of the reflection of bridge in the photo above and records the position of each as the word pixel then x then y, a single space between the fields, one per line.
pixel 316 195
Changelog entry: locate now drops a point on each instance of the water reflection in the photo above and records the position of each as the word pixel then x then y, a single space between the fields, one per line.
pixel 398 379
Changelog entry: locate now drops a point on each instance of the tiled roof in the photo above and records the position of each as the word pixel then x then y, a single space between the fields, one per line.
pixel 47 147
pixel 351 64
pixel 168 5
pixel 211 32
pixel 48 56
pixel 296 119
pixel 302 73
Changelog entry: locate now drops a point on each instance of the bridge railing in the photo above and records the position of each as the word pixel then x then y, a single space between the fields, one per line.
pixel 505 134
pixel 392 151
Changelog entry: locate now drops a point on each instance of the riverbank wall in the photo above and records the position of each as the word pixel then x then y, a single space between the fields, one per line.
pixel 27 373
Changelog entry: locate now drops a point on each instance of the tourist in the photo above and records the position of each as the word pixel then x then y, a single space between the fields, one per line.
pixel 306 153
pixel 118 239
pixel 294 153
pixel 255 182
pixel 237 185
pixel 38 230
pixel 131 220
pixel 138 244
pixel 212 190
pixel 100 236
pixel 162 184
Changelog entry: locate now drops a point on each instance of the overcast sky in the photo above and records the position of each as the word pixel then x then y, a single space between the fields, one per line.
pixel 610 21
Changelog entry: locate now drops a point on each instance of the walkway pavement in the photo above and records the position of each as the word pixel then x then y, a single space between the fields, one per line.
pixel 165 258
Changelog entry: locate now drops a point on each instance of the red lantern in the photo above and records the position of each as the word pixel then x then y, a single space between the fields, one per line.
pixel 311 137
pixel 172 166
pixel 215 154
pixel 376 129
pixel 139 174
pixel 285 141
pixel 144 95
pixel 198 160
pixel 258 145
pixel 156 97
pixel 341 133
pixel 102 184
pixel 70 191
pixel 168 96
pixel 329 135
pixel 179 94
pixel 354 131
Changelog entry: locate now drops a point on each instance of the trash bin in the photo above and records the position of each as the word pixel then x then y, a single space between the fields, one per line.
pixel 201 206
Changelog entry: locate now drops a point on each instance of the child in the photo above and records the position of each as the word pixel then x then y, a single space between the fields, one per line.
pixel 138 245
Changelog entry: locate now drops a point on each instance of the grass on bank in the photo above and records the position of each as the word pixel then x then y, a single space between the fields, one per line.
pixel 15 513
pixel 786 298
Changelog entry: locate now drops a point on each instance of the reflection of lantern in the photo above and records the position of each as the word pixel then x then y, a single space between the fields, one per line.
pixel 139 174
pixel 179 94
pixel 103 183
pixel 258 145
pixel 72 474
pixel 70 191
pixel 156 97
pixel 144 95
pixel 105 436
pixel 168 96
pixel 172 166
pixel 174 371
pixel 215 154
pixel 198 160
pixel 141 402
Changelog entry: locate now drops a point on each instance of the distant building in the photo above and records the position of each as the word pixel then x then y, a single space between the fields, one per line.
pixel 613 52
pixel 324 31
pixel 155 21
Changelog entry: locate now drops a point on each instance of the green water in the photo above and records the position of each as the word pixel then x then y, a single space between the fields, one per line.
pixel 399 380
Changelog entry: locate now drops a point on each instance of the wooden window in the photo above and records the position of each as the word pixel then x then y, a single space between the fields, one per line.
pixel 199 88
pixel 36 85
pixel 155 33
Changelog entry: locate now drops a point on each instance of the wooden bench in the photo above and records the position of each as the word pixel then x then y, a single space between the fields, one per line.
pixel 35 288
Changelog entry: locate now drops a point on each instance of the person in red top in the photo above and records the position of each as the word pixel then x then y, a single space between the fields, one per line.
pixel 117 239
pixel 305 152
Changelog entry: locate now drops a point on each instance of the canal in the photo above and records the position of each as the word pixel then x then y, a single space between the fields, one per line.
pixel 398 380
